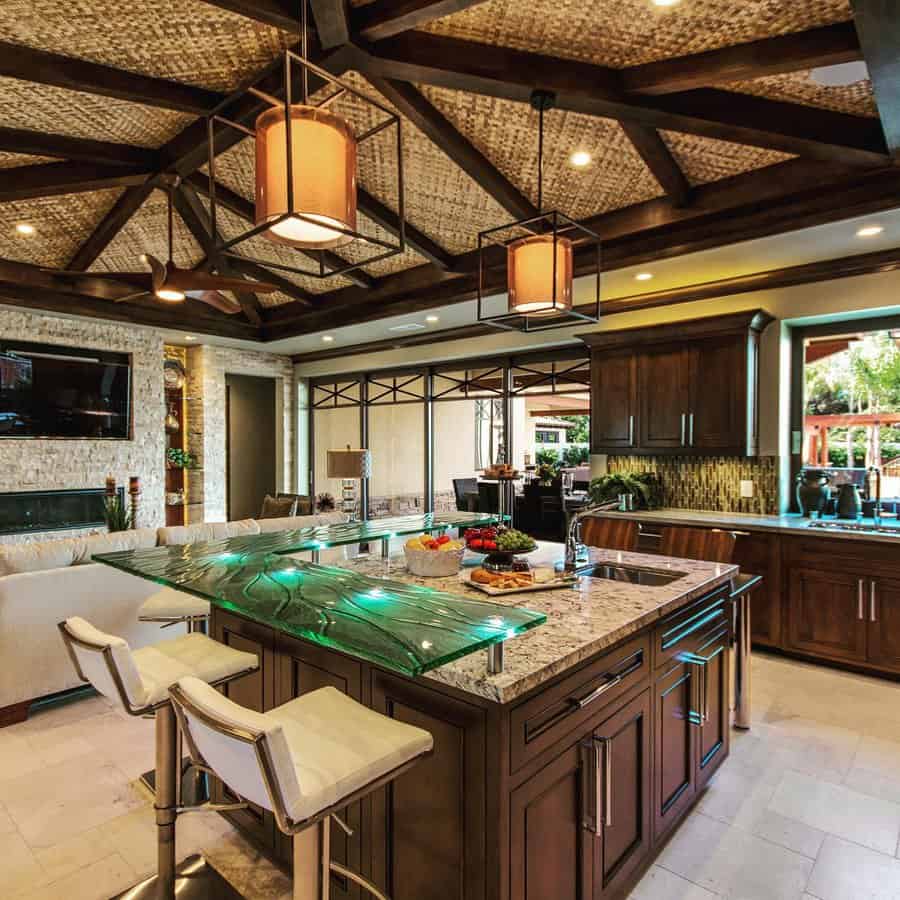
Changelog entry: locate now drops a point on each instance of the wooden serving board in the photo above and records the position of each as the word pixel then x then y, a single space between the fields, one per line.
pixel 565 581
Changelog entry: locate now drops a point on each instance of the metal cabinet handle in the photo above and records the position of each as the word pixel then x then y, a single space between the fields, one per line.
pixel 872 616
pixel 596 693
pixel 683 429
pixel 691 430
pixel 859 600
pixel 603 777
pixel 631 431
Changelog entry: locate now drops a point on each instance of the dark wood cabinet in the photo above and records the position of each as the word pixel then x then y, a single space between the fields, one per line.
pixel 714 707
pixel 694 391
pixel 614 418
pixel 884 623
pixel 664 392
pixel 759 553
pixel 826 612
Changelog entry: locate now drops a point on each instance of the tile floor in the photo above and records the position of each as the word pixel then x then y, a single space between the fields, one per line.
pixel 806 808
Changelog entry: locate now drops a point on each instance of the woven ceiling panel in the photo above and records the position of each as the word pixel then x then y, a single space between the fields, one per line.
pixel 14 160
pixel 798 87
pixel 396 263
pixel 507 134
pixel 59 111
pixel 183 40
pixel 61 224
pixel 147 232
pixel 630 32
pixel 703 160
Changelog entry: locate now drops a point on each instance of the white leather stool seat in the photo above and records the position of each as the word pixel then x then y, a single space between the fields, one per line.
pixel 162 664
pixel 171 604
pixel 324 746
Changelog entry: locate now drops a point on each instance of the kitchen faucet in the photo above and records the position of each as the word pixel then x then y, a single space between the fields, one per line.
pixel 874 475
pixel 572 530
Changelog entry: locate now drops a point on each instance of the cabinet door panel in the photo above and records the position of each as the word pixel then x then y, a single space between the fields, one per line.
pixel 625 843
pixel 664 399
pixel 549 847
pixel 884 624
pixel 827 613
pixel 758 553
pixel 715 729
pixel 675 767
pixel 614 408
pixel 718 386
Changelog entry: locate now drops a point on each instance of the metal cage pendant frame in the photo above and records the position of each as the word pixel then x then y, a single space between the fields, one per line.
pixel 226 248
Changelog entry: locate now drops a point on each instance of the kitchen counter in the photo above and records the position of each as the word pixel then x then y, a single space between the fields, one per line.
pixel 581 621
pixel 789 523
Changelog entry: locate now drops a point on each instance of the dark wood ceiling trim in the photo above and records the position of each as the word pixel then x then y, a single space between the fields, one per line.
pixel 195 217
pixel 57 70
pixel 52 179
pixel 277 14
pixel 826 46
pixel 60 146
pixel 659 160
pixel 424 58
pixel 110 225
pixel 878 25
pixel 260 273
pixel 331 21
pixel 385 18
pixel 444 135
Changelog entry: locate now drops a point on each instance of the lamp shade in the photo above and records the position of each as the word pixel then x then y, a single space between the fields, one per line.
pixel 323 174
pixel 349 463
pixel 530 272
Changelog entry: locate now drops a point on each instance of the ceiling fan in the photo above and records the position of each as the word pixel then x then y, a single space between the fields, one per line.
pixel 166 281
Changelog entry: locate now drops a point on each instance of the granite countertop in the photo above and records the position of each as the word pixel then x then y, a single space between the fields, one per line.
pixel 790 523
pixel 581 621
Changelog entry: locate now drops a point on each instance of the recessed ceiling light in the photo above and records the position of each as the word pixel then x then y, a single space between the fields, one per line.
pixel 432 319
pixel 25 228
pixel 643 276
pixel 580 158
pixel 666 2
pixel 841 75
pixel 870 231
pixel 408 326
pixel 327 338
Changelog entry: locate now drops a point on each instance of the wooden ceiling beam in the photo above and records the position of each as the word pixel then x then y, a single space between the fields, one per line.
pixel 825 46
pixel 385 18
pixel 879 32
pixel 424 58
pixel 261 273
pixel 274 13
pixel 61 146
pixel 659 160
pixel 332 22
pixel 110 225
pixel 42 67
pixel 53 179
pixel 444 135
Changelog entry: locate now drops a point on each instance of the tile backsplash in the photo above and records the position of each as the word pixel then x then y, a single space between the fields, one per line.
pixel 711 483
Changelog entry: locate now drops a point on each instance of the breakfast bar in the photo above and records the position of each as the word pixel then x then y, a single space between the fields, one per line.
pixel 558 777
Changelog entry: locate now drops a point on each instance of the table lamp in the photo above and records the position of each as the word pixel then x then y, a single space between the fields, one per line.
pixel 351 466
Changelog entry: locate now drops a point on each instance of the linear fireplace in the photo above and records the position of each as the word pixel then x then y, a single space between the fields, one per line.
pixel 31 511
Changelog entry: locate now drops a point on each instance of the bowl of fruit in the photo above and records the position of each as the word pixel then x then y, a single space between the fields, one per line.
pixel 500 545
pixel 433 557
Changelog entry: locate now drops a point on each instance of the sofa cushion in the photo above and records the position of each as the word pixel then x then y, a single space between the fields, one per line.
pixel 288 523
pixel 38 556
pixel 209 531
pixel 278 507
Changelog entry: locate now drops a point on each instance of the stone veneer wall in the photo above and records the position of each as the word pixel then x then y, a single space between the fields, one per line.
pixel 30 465
pixel 207 368
pixel 711 483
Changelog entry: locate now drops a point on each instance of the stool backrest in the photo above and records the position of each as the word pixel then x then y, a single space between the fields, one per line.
pixel 246 749
pixel 709 545
pixel 106 662
pixel 613 534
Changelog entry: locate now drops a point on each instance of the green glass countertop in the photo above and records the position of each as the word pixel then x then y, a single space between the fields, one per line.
pixel 405 627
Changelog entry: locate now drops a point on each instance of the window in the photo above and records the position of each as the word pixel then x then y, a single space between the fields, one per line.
pixel 546 437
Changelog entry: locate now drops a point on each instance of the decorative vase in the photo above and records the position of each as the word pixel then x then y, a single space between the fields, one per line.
pixel 849 503
pixel 813 491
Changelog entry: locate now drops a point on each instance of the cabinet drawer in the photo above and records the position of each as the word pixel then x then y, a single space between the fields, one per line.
pixel 537 724
pixel 686 630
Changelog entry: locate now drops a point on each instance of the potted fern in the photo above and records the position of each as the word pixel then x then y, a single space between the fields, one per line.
pixel 116 513
pixel 645 487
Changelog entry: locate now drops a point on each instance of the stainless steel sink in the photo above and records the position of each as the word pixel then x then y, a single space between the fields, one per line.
pixel 863 527
pixel 630 574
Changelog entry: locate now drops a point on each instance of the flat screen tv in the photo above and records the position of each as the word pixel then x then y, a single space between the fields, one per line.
pixel 48 391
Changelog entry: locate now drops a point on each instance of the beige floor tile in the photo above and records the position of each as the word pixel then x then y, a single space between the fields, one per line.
pixel 7 826
pixel 789 833
pixel 739 794
pixel 838 810
pixel 878 755
pixel 847 871
pixel 96 881
pixel 661 884
pixel 74 853
pixel 864 781
pixel 20 870
pixel 16 756
pixel 734 863
pixel 133 837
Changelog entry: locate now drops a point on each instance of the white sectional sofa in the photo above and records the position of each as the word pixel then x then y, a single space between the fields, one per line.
pixel 44 582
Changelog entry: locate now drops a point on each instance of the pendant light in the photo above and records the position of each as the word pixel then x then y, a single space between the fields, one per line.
pixel 540 254
pixel 306 177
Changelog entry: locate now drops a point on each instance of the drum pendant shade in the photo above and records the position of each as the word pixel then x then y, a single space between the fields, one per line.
pixel 537 285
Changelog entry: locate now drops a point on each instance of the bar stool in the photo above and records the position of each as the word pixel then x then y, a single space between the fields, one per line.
pixel 303 761
pixel 171 607
pixel 138 681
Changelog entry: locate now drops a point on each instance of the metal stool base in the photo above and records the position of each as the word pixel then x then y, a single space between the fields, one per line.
pixel 196 879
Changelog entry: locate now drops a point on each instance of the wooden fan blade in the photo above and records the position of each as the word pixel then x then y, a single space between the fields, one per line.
pixel 132 279
pixel 128 297
pixel 158 271
pixel 216 300
pixel 190 280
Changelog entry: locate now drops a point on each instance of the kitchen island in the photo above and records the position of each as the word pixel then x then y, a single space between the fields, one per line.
pixel 558 777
